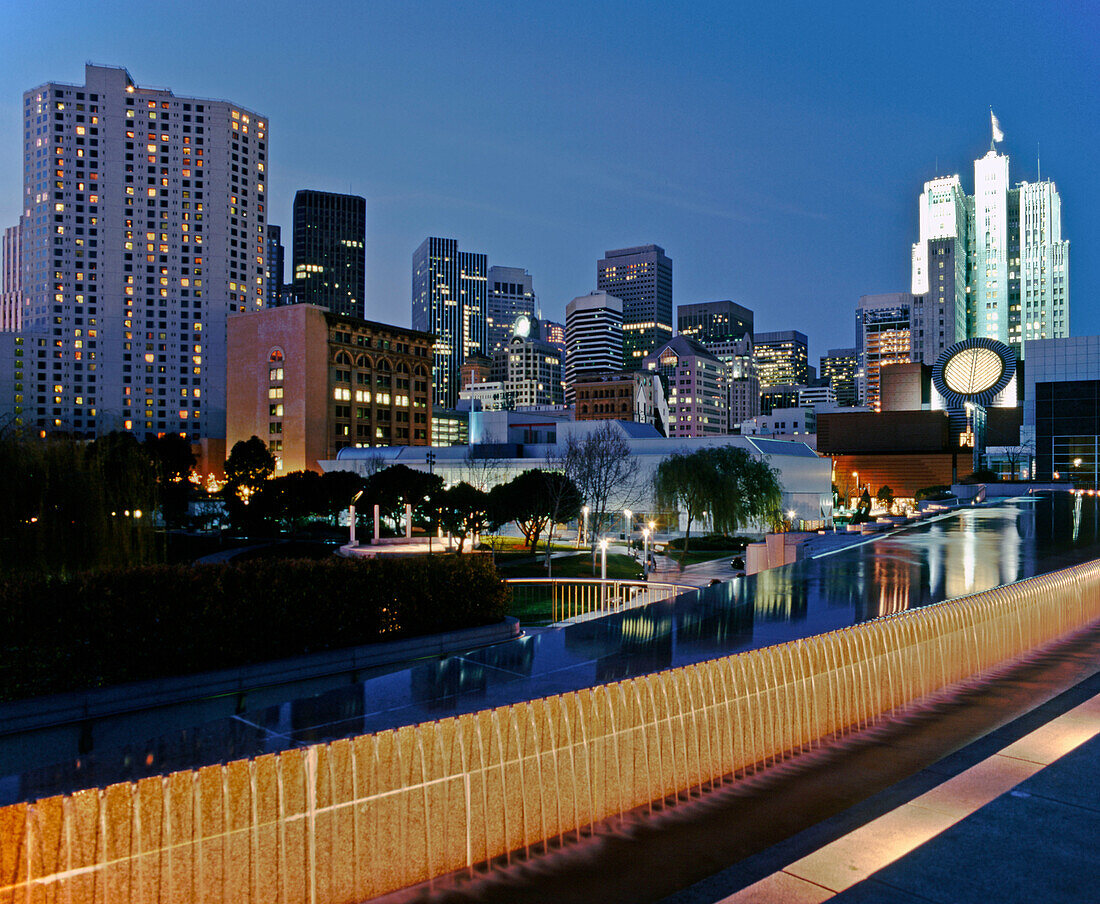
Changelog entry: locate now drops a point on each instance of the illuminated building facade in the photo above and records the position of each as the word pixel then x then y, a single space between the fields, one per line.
pixel 275 261
pixel 310 382
pixel 449 301
pixel 739 379
pixel 330 240
pixel 528 368
pixel 884 335
pixel 781 357
pixel 642 278
pixel 992 264
pixel 143 228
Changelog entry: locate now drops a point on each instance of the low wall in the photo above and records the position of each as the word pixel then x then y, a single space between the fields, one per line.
pixel 348 820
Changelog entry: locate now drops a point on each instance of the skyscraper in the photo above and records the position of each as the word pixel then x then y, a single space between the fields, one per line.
pixel 143 218
pixel 714 321
pixel 11 296
pixel 993 264
pixel 509 293
pixel 330 240
pixel 593 337
pixel 782 358
pixel 274 259
pixel 642 278
pixel 448 300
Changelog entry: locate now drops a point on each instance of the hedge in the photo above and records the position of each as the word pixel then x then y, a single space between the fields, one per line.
pixel 102 628
pixel 710 542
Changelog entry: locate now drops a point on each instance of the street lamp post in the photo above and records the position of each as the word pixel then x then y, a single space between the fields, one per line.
pixel 603 559
pixel 430 459
pixel 645 540
pixel 628 524
pixel 584 530
pixel 351 520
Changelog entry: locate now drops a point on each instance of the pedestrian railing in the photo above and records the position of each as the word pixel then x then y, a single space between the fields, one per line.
pixel 575 599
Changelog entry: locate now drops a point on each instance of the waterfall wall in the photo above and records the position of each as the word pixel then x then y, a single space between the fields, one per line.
pixel 344 821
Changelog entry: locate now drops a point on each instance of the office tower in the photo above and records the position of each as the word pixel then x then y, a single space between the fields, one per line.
pixel 509 293
pixel 274 259
pixel 448 300
pixel 143 219
pixel 642 278
pixel 993 264
pixel 714 321
pixel 310 382
pixel 330 240
pixel 884 330
pixel 781 358
pixel 840 366
pixel 692 380
pixel 11 296
pixel 593 336
pixel 554 333
pixel 529 368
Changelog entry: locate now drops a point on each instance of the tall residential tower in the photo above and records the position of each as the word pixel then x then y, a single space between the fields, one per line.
pixel 143 228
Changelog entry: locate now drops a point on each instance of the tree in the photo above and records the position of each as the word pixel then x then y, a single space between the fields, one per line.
pixel 521 500
pixel 885 497
pixel 171 456
pixel 686 481
pixel 392 488
pixel 250 463
pixel 562 500
pixel 604 471
pixel 735 487
pixel 463 510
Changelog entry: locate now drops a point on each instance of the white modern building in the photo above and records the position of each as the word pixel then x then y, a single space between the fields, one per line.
pixel 11 295
pixel 992 264
pixel 593 336
pixel 538 438
pixel 142 228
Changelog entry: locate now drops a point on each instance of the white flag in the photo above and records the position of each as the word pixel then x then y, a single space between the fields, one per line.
pixel 998 135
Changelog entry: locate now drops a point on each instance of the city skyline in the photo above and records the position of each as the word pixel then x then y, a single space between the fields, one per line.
pixel 793 206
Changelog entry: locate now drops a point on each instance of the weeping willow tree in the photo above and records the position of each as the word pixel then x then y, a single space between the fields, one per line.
pixel 72 506
pixel 733 487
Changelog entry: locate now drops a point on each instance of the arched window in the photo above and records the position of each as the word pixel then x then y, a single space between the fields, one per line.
pixel 342 358
pixel 363 362
pixel 276 356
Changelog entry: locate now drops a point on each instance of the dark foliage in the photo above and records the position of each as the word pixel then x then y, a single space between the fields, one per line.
pixel 109 627
pixel 712 542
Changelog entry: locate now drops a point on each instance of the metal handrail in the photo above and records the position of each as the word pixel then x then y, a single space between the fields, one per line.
pixel 575 599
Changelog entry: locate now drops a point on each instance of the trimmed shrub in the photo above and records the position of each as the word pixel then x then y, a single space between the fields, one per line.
pixel 933 494
pixel 101 628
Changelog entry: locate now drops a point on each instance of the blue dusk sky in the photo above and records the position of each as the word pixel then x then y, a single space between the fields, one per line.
pixel 775 150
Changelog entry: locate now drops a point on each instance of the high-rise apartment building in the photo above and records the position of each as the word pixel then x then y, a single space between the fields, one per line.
pixel 714 321
pixel 692 381
pixel 642 278
pixel 275 261
pixel 884 331
pixel 593 336
pixel 991 264
pixel 781 357
pixel 840 367
pixel 449 301
pixel 11 296
pixel 330 241
pixel 143 228
pixel 509 293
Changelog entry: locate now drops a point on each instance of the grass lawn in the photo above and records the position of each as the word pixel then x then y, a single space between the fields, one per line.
pixel 706 555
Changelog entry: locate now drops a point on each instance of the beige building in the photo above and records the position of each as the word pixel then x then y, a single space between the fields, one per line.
pixel 310 382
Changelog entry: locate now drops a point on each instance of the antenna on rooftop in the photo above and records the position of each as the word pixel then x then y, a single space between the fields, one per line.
pixel 1038 164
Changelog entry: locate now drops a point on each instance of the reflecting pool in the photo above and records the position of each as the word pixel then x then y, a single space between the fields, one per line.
pixel 967 551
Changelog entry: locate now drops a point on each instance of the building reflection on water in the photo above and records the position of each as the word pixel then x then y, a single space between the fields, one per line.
pixel 968 551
